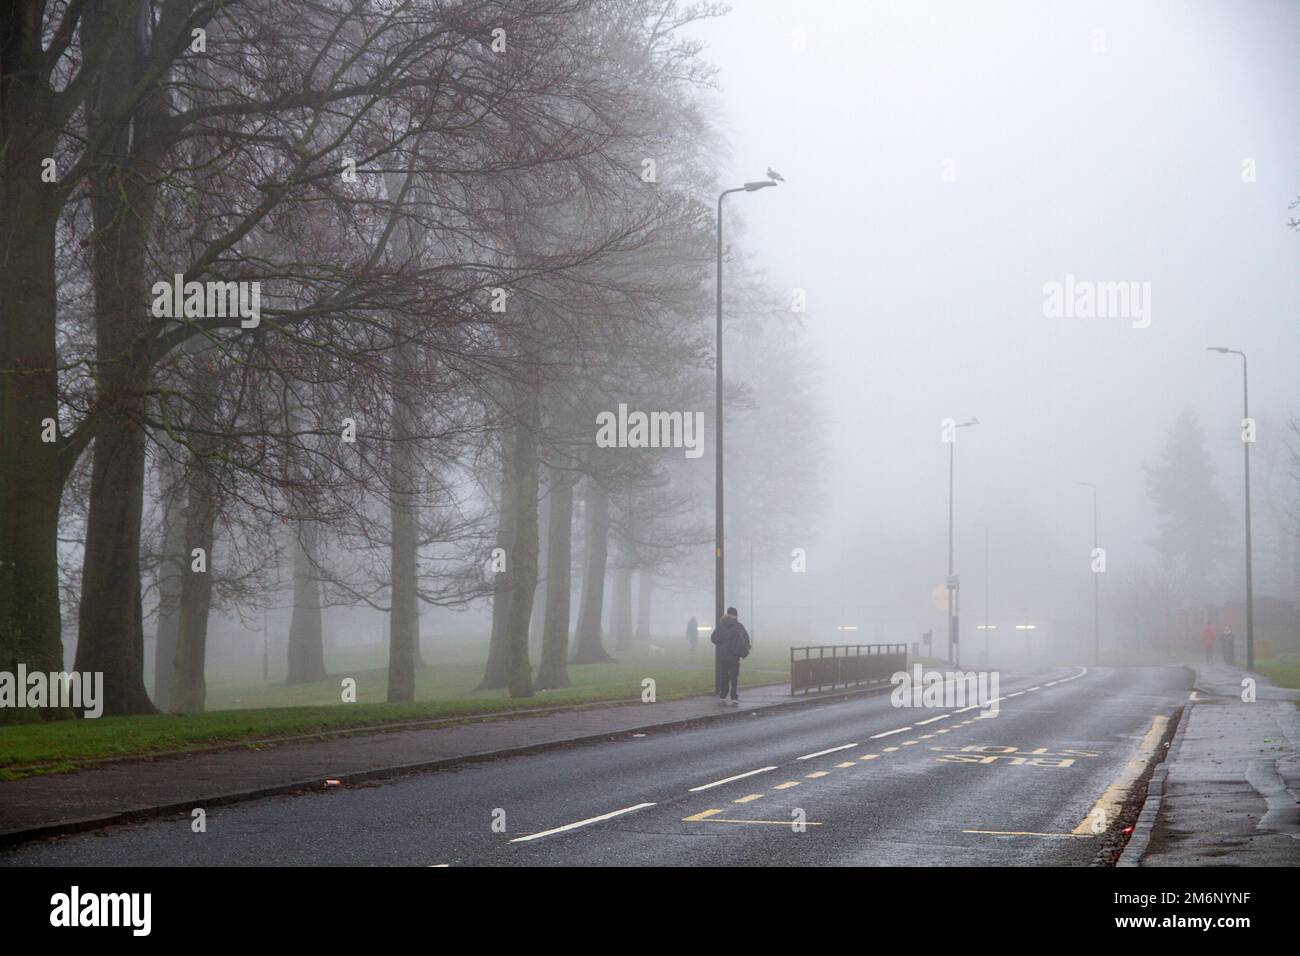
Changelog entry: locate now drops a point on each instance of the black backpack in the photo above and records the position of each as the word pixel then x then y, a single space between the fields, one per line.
pixel 742 641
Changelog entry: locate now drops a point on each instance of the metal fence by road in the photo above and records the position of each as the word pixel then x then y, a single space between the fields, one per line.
pixel 826 666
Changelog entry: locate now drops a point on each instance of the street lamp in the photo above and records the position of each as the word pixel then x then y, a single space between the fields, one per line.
pixel 1250 587
pixel 719 599
pixel 954 636
pixel 1026 628
pixel 1096 627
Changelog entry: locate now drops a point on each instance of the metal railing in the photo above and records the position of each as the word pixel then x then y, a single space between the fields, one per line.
pixel 846 665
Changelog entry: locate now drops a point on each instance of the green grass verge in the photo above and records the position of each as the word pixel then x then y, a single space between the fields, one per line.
pixel 253 711
pixel 1283 671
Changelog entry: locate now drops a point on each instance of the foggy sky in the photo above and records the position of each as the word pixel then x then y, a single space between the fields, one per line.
pixel 925 298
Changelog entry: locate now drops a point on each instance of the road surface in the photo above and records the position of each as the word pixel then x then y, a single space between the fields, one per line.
pixel 872 784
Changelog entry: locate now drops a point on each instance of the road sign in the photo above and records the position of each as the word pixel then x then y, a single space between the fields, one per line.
pixel 939 598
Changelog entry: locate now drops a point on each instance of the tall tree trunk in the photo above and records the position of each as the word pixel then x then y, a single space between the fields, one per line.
pixel 203 494
pixel 306 634
pixel 588 648
pixel 110 634
pixel 404 656
pixel 172 568
pixel 620 619
pixel 189 685
pixel 31 473
pixel 645 592
pixel 524 584
pixel 404 618
pixel 553 670
pixel 537 623
pixel 495 675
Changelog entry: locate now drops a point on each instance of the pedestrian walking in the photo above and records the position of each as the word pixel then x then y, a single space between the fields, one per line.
pixel 731 643
pixel 1208 637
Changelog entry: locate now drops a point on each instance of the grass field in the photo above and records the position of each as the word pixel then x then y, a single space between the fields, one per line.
pixel 249 711
pixel 1283 671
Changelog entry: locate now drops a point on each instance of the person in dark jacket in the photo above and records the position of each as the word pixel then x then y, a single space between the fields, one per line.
pixel 731 642
pixel 692 633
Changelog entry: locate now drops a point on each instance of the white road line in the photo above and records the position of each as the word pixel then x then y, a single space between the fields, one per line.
pixel 1016 694
pixel 581 823
pixel 922 723
pixel 889 733
pixel 823 753
pixel 739 776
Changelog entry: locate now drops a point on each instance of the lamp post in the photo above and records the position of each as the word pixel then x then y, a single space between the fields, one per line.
pixel 986 627
pixel 1250 587
pixel 1026 628
pixel 954 636
pixel 719 598
pixel 1096 626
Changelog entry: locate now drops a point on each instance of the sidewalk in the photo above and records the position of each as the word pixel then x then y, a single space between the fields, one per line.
pixel 1228 793
pixel 123 790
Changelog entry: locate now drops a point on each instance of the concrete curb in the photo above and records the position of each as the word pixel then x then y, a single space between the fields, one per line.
pixel 137 814
pixel 1138 842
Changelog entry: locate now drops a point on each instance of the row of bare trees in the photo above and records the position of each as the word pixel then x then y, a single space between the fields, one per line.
pixel 458 229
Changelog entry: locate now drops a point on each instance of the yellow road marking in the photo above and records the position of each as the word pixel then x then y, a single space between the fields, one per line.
pixel 890 749
pixel 749 799
pixel 847 763
pixel 787 785
pixel 1112 799
pixel 702 815
pixel 908 743
pixel 817 773
pixel 925 737
pixel 873 756
pixel 941 731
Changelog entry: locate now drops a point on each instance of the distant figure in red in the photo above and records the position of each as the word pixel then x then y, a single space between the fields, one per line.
pixel 1208 637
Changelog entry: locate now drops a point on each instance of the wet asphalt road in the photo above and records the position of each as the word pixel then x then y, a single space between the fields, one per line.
pixel 954 789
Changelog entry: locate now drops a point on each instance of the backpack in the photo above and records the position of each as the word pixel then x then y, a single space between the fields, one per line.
pixel 742 641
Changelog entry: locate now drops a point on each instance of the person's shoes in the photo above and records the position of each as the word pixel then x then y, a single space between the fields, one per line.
pixel 736 701
pixel 722 700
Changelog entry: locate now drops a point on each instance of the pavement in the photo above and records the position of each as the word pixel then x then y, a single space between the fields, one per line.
pixel 1048 780
pixel 130 789
pixel 1228 793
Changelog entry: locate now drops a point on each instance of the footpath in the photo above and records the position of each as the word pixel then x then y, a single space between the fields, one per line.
pixel 1228 793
